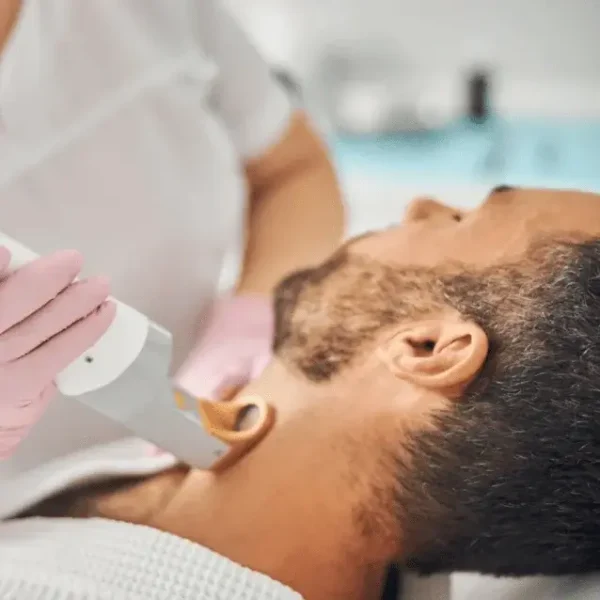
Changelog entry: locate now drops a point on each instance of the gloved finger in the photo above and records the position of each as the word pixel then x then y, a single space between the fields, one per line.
pixel 59 352
pixel 72 304
pixel 29 288
pixel 20 418
pixel 22 413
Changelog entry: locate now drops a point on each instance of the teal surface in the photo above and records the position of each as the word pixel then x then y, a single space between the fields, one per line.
pixel 518 152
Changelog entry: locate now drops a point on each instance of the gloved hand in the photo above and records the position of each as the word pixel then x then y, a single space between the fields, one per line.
pixel 46 322
pixel 234 349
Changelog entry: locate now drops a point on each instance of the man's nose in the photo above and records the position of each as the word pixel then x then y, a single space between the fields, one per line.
pixel 427 208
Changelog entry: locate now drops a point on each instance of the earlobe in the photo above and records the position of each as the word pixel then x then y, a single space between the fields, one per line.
pixel 442 355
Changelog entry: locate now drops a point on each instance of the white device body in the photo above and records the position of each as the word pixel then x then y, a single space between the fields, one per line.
pixel 110 356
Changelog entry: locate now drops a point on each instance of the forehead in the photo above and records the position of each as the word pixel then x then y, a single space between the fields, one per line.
pixel 502 228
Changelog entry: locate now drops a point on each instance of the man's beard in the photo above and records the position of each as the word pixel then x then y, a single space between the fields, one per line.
pixel 327 316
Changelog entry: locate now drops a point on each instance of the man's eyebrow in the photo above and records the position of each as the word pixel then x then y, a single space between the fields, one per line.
pixel 502 188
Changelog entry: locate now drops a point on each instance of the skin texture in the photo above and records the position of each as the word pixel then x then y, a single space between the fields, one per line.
pixel 432 408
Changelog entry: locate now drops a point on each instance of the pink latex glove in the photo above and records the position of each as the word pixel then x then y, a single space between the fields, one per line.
pixel 234 349
pixel 46 322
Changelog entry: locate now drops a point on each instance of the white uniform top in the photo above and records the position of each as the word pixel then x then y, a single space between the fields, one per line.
pixel 124 125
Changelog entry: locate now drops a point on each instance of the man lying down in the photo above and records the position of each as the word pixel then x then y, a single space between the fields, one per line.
pixel 437 396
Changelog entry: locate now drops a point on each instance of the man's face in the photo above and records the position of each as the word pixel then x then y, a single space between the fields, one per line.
pixel 325 314
pixel 499 231
pixel 441 265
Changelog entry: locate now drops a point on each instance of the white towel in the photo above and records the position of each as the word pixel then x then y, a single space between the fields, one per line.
pixel 97 559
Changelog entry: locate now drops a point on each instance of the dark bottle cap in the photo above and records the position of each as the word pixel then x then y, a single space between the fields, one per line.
pixel 478 96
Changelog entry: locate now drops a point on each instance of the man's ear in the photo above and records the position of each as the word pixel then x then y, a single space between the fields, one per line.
pixel 443 354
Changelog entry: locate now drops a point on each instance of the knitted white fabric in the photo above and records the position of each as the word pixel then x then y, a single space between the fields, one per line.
pixel 97 559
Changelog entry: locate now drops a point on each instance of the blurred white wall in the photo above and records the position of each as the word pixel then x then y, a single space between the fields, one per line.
pixel 531 36
pixel 537 47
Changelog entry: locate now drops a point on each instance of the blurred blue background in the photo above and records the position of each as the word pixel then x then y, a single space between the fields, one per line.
pixel 526 152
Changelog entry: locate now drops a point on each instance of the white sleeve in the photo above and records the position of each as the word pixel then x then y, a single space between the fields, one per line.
pixel 255 108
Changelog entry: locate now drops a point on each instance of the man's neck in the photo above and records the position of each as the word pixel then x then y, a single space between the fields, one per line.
pixel 299 506
pixel 9 12
pixel 301 540
pixel 278 533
